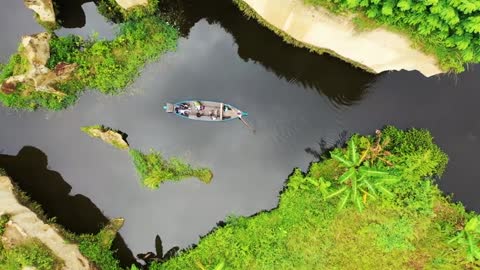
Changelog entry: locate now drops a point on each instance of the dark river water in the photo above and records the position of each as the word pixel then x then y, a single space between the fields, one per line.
pixel 294 98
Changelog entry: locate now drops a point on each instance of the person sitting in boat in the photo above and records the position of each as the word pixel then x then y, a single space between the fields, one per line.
pixel 182 111
pixel 198 106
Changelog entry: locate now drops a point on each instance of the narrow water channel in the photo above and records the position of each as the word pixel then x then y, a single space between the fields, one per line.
pixel 294 99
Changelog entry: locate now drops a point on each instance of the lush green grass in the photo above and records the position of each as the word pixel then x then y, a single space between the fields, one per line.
pixel 117 142
pixel 108 66
pixel 154 169
pixel 450 30
pixel 31 253
pixel 412 229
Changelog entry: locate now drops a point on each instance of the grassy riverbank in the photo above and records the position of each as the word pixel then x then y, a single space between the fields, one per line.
pixel 450 31
pixel 154 169
pixel 106 65
pixel 372 205
pixel 18 251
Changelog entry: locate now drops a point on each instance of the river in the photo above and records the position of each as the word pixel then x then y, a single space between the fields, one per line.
pixel 294 99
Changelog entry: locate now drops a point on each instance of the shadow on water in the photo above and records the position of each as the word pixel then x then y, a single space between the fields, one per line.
pixel 323 73
pixel 70 13
pixel 29 170
pixel 325 147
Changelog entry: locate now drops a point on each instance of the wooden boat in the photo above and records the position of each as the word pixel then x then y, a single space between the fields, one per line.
pixel 204 110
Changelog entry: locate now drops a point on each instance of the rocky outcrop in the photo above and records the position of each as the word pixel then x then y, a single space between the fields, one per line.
pixel 36 50
pixel 107 135
pixel 24 225
pixel 127 4
pixel 44 9
pixel 316 28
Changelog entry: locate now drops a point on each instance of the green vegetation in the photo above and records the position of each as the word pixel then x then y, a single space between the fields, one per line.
pixel 31 253
pixel 108 135
pixel 96 248
pixel 405 222
pixel 448 29
pixel 108 66
pixel 153 169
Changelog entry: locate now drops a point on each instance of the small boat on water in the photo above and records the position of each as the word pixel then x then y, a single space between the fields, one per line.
pixel 205 110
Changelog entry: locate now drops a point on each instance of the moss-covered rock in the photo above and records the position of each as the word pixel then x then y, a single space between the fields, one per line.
pixel 108 135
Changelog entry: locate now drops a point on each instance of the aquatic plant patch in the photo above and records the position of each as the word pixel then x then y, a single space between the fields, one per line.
pixel 450 30
pixel 154 169
pixel 106 65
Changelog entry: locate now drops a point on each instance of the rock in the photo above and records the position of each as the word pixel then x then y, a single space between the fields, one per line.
pixel 44 9
pixel 24 225
pixel 36 50
pixel 107 135
pixel 127 4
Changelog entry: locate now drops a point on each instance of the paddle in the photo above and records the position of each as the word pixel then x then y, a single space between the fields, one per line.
pixel 246 124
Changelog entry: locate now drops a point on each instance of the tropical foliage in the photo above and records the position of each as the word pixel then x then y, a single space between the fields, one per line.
pixel 449 29
pixel 106 65
pixel 154 169
pixel 307 231
pixel 469 237
pixel 362 179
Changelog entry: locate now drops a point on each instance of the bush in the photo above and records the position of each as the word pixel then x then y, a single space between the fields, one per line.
pixel 410 230
pixel 108 66
pixel 448 29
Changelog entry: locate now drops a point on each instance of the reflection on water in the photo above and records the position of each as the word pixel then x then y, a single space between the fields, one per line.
pixel 338 80
pixel 70 13
pixel 29 170
pixel 238 61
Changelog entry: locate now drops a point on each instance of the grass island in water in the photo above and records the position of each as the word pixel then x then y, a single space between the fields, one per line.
pixel 154 169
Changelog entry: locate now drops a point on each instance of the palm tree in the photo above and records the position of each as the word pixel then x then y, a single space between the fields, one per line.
pixel 151 257
pixel 360 177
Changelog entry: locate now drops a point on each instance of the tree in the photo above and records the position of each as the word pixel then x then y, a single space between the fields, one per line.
pixel 360 177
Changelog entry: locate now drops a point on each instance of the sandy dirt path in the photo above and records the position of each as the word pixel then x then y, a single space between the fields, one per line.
pixel 380 50
pixel 27 224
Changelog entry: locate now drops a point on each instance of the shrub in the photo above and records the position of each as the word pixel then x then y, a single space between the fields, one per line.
pixel 108 66
pixel 448 29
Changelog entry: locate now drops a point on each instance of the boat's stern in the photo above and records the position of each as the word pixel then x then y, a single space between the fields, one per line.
pixel 169 107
